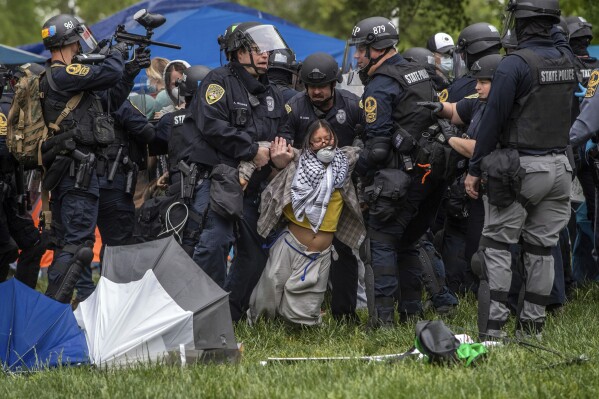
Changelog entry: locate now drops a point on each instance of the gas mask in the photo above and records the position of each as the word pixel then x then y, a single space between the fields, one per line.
pixel 326 154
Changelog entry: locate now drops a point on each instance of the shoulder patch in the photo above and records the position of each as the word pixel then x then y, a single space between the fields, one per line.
pixel 77 69
pixel 214 93
pixel 370 109
pixel 3 124
pixel 593 83
pixel 288 108
pixel 443 95
pixel 471 96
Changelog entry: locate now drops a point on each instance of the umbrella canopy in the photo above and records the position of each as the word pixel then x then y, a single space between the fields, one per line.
pixel 14 56
pixel 152 298
pixel 36 331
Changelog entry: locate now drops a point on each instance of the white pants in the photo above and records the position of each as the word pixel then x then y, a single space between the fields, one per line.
pixel 293 282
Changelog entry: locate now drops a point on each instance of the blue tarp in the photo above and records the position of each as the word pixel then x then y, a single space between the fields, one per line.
pixel 14 56
pixel 36 331
pixel 196 24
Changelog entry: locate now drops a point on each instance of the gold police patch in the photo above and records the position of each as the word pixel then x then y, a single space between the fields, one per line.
pixel 370 109
pixel 214 93
pixel 593 83
pixel 443 95
pixel 77 69
pixel 3 124
pixel 288 108
pixel 361 105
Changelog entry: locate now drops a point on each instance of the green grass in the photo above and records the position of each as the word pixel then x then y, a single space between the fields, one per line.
pixel 509 371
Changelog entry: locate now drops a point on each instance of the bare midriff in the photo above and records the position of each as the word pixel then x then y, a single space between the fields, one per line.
pixel 315 242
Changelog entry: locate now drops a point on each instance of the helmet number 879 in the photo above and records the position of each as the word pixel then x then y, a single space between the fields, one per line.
pixel 378 29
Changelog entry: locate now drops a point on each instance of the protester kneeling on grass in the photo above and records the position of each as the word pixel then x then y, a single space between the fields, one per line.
pixel 315 199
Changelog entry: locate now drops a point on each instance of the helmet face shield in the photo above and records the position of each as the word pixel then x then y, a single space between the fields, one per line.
pixel 459 64
pixel 350 67
pixel 265 38
pixel 508 33
pixel 87 37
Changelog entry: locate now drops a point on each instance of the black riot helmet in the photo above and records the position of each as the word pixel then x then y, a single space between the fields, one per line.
pixel 547 10
pixel 283 59
pixel 485 67
pixel 319 69
pixel 250 36
pixel 376 32
pixel 474 42
pixel 534 8
pixel 63 29
pixel 190 80
pixel 579 27
pixel 421 55
pixel 478 38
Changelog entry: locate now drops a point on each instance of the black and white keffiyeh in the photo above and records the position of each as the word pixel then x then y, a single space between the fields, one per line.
pixel 313 185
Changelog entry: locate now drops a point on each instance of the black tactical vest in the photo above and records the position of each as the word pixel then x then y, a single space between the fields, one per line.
pixel 179 144
pixel 540 120
pixel 81 118
pixel 584 68
pixel 417 86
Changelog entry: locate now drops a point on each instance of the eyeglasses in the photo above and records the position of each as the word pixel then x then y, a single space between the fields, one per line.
pixel 326 141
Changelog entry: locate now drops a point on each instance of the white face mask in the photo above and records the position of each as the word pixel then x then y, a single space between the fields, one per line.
pixel 326 154
pixel 446 64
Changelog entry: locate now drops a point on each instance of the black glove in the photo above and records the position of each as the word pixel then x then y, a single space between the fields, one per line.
pixel 122 48
pixel 448 129
pixel 139 61
pixel 432 105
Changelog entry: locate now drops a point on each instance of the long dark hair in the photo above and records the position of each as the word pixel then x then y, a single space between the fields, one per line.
pixel 314 126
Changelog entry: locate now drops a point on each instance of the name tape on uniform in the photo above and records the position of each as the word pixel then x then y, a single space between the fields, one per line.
pixel 416 77
pixel 561 75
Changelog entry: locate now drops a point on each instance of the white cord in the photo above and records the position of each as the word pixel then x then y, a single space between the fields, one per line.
pixel 175 229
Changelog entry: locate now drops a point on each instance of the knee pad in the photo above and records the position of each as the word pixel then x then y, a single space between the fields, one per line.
pixel 62 289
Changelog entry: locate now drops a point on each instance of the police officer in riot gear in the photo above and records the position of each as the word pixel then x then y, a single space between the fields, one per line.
pixel 342 109
pixel 17 231
pixel 322 100
pixel 537 79
pixel 464 216
pixel 393 87
pixel 72 151
pixel 474 42
pixel 117 166
pixel 581 34
pixel 282 72
pixel 234 110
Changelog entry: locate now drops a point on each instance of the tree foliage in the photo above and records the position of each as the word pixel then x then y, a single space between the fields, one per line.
pixel 21 20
